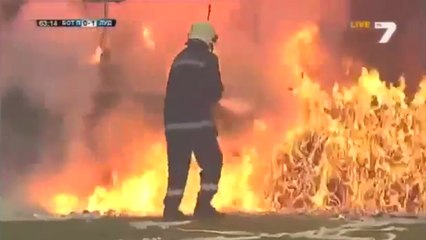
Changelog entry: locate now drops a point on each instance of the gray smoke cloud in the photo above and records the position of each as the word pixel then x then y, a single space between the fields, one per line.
pixel 46 86
pixel 50 64
pixel 52 69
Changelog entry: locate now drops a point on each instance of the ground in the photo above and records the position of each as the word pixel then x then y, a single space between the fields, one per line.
pixel 237 227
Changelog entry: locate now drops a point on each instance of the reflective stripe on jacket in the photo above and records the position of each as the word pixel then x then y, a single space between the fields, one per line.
pixel 193 89
pixel 189 125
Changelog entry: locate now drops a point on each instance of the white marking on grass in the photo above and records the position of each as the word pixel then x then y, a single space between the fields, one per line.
pixel 382 225
pixel 216 231
pixel 223 238
pixel 163 225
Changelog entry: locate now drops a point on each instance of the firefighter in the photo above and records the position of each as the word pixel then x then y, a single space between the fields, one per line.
pixel 194 88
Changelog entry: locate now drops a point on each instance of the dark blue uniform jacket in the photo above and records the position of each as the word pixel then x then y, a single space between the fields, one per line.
pixel 194 86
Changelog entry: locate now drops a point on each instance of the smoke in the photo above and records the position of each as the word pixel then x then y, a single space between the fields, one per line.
pixel 10 9
pixel 258 34
pixel 50 64
pixel 52 69
pixel 46 87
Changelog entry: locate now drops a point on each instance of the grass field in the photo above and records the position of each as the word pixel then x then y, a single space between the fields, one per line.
pixel 236 227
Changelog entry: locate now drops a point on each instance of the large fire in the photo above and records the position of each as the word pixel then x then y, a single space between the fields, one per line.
pixel 360 150
pixel 357 149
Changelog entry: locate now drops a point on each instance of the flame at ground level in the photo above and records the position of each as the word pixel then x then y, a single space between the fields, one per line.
pixel 357 149
pixel 142 194
pixel 360 149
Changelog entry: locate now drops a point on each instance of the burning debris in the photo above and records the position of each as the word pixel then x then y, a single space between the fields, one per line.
pixel 359 150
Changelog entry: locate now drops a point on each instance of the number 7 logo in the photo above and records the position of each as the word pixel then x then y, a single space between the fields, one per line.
pixel 390 30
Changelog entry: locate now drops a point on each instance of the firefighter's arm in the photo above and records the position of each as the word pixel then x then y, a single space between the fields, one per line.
pixel 214 86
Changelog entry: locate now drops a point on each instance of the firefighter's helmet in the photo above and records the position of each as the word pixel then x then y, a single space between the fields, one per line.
pixel 203 31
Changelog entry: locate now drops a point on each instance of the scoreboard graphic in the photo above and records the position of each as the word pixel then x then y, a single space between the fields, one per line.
pixel 76 23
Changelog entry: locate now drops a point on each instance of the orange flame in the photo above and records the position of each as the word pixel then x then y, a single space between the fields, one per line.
pixel 96 57
pixel 334 160
pixel 148 38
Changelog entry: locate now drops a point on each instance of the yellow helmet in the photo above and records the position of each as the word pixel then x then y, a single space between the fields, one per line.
pixel 203 31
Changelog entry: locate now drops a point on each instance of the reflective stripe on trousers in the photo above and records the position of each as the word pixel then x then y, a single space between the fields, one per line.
pixel 189 125
pixel 205 187
pixel 174 192
pixel 209 187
